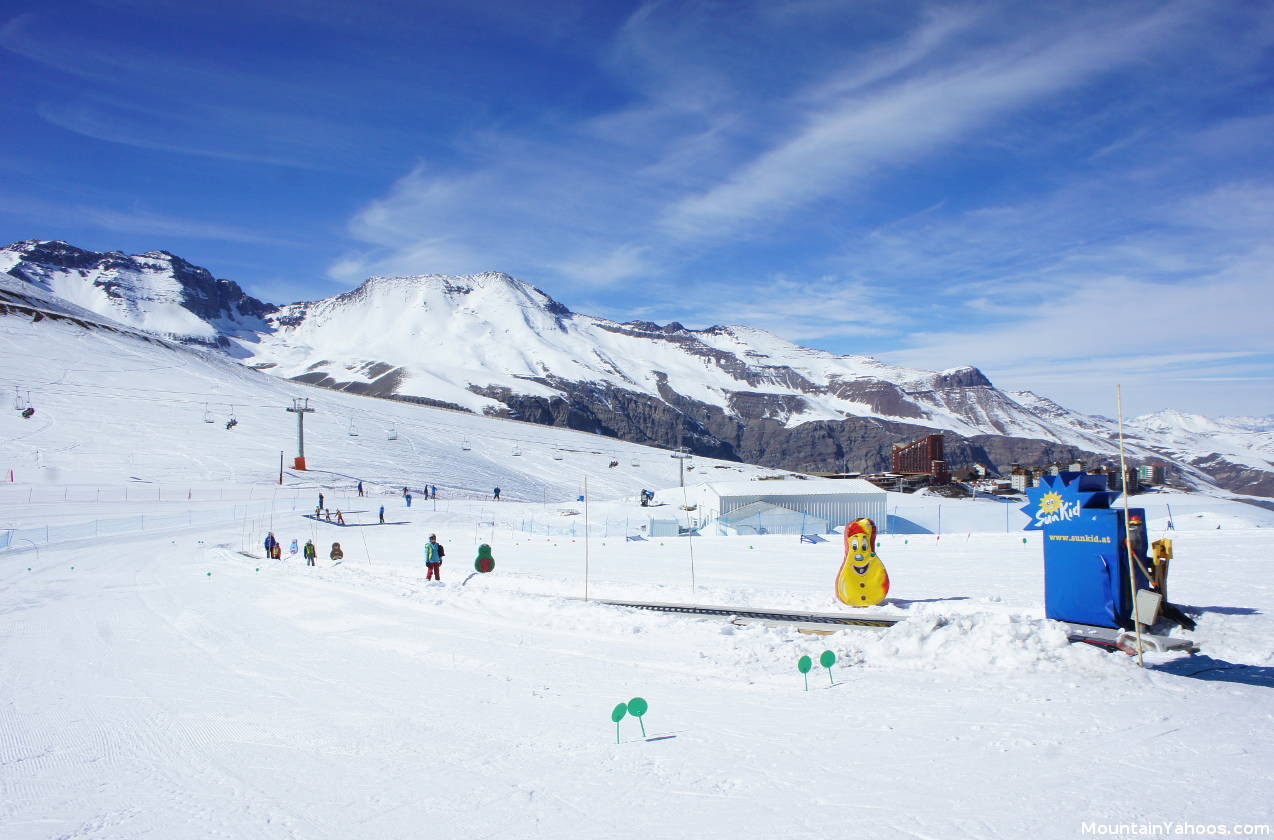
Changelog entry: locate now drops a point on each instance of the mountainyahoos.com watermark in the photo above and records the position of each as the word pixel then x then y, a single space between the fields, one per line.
pixel 1168 828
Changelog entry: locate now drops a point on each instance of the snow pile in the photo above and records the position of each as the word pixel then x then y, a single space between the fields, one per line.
pixel 979 643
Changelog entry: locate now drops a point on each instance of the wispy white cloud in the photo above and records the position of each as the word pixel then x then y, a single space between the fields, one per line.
pixel 853 138
pixel 675 189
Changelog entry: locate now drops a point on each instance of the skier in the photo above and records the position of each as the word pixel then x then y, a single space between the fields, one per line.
pixel 496 494
pixel 408 498
pixel 320 504
pixel 270 543
pixel 433 559
pixel 434 492
pixel 340 519
pixel 337 555
pixel 382 514
pixel 360 488
pixel 310 552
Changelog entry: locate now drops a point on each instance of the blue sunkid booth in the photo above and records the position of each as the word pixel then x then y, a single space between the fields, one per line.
pixel 1085 550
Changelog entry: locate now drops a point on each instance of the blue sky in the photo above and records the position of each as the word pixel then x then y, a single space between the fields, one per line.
pixel 1067 195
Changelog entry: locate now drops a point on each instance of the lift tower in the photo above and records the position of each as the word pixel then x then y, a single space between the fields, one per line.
pixel 300 407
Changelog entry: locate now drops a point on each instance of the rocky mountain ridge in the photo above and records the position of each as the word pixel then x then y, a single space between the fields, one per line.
pixel 492 344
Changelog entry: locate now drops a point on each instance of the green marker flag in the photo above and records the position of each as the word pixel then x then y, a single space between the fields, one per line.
pixel 803 665
pixel 616 715
pixel 637 707
pixel 827 660
pixel 485 562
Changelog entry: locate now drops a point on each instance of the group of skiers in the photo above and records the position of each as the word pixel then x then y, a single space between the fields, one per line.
pixel 274 550
pixel 434 552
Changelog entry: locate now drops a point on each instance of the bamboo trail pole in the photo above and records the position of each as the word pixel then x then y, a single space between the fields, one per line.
pixel 585 538
pixel 685 503
pixel 1132 571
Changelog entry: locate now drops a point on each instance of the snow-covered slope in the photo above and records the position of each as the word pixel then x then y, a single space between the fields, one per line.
pixel 115 404
pixel 438 337
pixel 492 344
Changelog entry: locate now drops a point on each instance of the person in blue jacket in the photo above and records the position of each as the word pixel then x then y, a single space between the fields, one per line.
pixel 270 543
pixel 382 514
pixel 434 553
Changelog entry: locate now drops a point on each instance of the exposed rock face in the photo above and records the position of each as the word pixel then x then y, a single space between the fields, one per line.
pixel 1236 477
pixel 134 288
pixel 858 444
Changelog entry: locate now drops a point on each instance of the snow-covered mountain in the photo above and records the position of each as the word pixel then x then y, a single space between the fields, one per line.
pixel 492 344
pixel 156 291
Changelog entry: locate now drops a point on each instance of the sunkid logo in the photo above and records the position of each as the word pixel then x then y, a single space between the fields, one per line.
pixel 1060 511
pixel 1063 497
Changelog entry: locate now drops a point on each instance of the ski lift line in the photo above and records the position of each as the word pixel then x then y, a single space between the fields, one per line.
pixel 136 394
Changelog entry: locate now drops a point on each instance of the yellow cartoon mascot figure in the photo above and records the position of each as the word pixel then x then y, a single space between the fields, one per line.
pixel 862 580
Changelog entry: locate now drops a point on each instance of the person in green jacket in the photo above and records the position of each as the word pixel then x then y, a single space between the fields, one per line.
pixel 434 553
pixel 310 552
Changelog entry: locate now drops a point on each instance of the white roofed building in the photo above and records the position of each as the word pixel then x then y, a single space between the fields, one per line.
pixel 826 504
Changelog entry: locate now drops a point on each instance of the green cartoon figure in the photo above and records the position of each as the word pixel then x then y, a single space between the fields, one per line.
pixel 485 561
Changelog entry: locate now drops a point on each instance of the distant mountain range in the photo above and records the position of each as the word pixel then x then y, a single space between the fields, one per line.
pixel 491 344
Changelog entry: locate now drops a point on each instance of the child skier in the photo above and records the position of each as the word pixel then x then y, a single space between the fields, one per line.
pixel 434 553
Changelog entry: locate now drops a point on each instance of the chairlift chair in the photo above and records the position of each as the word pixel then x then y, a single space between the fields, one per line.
pixel 636 463
pixel 464 445
pixel 207 414
pixel 353 432
pixel 393 432
pixel 557 456
pixel 516 451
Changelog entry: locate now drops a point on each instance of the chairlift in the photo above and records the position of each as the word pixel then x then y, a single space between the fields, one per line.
pixel 393 432
pixel 353 432
pixel 207 414
pixel 636 463
pixel 557 456
pixel 464 445
pixel 233 420
pixel 516 451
